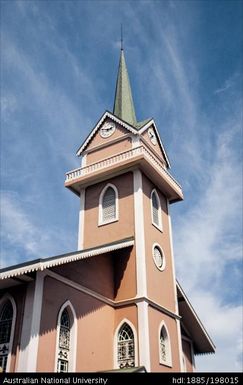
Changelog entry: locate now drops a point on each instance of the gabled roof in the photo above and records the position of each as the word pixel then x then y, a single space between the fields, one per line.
pixel 201 340
pixel 45 263
pixel 109 115
pixel 136 131
pixel 143 128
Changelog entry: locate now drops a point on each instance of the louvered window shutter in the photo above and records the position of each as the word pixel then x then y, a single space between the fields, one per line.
pixel 155 209
pixel 109 205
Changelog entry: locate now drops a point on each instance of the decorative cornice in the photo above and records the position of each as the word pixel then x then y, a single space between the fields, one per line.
pixel 108 162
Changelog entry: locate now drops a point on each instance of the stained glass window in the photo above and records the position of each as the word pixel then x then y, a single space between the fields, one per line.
pixel 6 318
pixel 165 350
pixel 64 343
pixel 126 348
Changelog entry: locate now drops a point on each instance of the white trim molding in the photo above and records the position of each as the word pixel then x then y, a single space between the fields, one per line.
pixel 101 221
pixel 73 336
pixel 31 326
pixel 162 267
pixel 143 323
pixel 178 325
pixel 81 220
pixel 115 343
pixel 168 360
pixel 148 125
pixel 3 300
pixel 143 335
pixel 139 234
pixel 83 160
pixel 159 225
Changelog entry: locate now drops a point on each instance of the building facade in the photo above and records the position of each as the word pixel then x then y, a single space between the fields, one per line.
pixel 114 303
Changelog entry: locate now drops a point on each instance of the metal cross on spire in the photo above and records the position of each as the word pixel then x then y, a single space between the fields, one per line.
pixel 121 37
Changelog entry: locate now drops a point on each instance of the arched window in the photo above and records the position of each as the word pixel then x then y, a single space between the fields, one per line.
pixel 6 319
pixel 125 347
pixel 64 343
pixel 108 205
pixel 164 346
pixel 66 339
pixel 156 210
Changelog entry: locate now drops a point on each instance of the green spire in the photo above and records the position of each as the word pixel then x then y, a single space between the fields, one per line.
pixel 123 104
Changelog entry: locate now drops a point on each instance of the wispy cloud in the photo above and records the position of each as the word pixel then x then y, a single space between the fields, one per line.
pixel 23 238
pixel 229 83
pixel 204 233
pixel 62 114
pixel 202 135
pixel 225 325
pixel 208 249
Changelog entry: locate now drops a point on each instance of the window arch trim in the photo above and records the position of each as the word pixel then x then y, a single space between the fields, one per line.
pixel 115 355
pixel 168 361
pixel 156 245
pixel 3 300
pixel 158 225
pixel 73 335
pixel 116 218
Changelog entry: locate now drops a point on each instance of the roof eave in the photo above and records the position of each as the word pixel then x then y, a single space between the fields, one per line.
pixel 198 324
pixel 46 263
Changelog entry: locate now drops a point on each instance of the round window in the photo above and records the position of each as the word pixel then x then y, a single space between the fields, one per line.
pixel 159 259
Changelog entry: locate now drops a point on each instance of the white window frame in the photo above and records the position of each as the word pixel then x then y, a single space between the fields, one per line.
pixel 73 336
pixel 115 345
pixel 100 221
pixel 3 300
pixel 168 361
pixel 163 256
pixel 159 226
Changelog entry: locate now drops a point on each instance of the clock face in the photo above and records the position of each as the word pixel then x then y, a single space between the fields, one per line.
pixel 107 129
pixel 152 136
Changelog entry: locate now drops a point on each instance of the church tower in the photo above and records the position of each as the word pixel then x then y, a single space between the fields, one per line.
pixel 125 192
pixel 113 304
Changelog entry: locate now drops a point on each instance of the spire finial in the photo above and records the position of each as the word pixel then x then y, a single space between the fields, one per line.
pixel 121 38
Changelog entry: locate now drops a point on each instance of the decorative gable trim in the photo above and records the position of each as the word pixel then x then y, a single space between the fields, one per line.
pixel 145 127
pixel 97 126
pixel 42 264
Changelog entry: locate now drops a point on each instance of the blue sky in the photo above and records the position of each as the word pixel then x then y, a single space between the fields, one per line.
pixel 58 71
